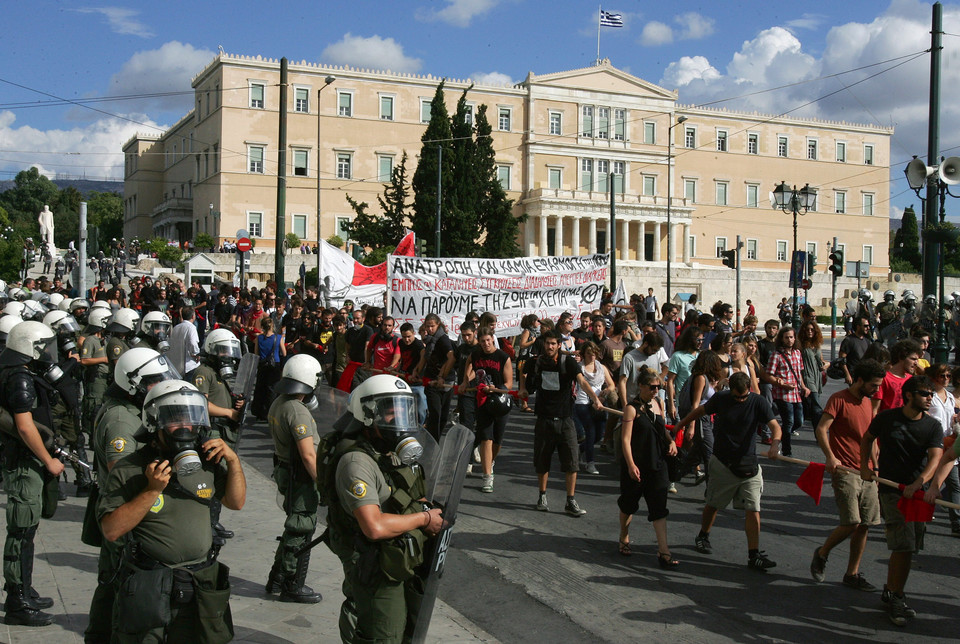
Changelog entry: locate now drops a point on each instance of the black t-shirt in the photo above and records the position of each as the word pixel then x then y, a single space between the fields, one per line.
pixel 442 346
pixel 554 386
pixel 463 352
pixel 904 444
pixel 735 426
pixel 410 355
pixel 853 348
pixel 357 338
pixel 765 349
pixel 293 327
pixel 489 367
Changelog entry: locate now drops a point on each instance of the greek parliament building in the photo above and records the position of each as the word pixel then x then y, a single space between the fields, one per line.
pixel 560 139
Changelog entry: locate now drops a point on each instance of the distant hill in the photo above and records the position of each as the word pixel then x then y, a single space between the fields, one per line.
pixel 85 186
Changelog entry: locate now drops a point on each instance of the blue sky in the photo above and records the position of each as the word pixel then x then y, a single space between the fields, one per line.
pixel 714 51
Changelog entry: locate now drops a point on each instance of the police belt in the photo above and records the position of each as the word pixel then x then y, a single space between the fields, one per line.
pixel 135 556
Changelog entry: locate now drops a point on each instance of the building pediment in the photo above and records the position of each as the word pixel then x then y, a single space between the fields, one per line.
pixel 601 78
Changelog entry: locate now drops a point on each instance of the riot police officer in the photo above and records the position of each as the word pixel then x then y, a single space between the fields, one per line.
pixel 378 520
pixel 114 431
pixel 29 468
pixel 293 429
pixel 154 331
pixel 96 365
pixel 218 361
pixel 158 501
pixel 7 322
pixel 123 324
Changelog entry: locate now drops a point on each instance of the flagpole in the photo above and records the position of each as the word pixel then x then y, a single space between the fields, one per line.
pixel 599 13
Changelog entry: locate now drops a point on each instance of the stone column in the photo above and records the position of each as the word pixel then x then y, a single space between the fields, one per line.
pixel 641 245
pixel 686 243
pixel 575 238
pixel 593 236
pixel 542 249
pixel 671 241
pixel 558 237
pixel 656 241
pixel 625 239
pixel 530 240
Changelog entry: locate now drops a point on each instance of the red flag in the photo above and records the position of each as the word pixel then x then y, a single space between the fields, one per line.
pixel 678 437
pixel 481 395
pixel 811 481
pixel 346 378
pixel 915 509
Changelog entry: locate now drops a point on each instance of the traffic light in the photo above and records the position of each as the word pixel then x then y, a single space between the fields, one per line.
pixel 811 263
pixel 729 258
pixel 836 263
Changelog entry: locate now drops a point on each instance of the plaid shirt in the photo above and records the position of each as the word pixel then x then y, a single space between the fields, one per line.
pixel 786 366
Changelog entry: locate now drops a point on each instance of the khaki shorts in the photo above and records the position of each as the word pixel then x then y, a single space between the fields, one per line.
pixel 901 536
pixel 857 500
pixel 723 486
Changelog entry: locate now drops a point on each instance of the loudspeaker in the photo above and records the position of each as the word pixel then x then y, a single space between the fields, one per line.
pixel 917 172
pixel 949 171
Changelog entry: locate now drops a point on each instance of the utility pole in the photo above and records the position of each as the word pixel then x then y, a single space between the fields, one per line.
pixel 439 192
pixel 931 251
pixel 613 235
pixel 82 251
pixel 739 246
pixel 280 256
pixel 833 309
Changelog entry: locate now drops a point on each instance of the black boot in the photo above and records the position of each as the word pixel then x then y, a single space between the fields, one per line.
pixel 274 580
pixel 31 596
pixel 19 612
pixel 295 590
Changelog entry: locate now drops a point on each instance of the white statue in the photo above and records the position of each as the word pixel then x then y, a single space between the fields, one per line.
pixel 46 227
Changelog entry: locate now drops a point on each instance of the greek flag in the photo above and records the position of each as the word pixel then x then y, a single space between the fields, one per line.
pixel 608 19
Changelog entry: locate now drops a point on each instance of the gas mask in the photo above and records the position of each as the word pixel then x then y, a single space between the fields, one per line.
pixel 53 374
pixel 181 416
pixel 67 343
pixel 310 402
pixel 226 358
pixel 395 426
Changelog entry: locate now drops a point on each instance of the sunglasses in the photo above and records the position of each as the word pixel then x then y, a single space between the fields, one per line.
pixel 655 387
pixel 924 393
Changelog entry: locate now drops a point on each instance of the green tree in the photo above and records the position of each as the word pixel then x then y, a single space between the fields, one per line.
pixel 204 241
pixel 293 242
pixel 906 241
pixel 168 255
pixel 105 213
pixel 24 201
pixel 435 138
pixel 377 232
pixel 497 219
pixel 11 249
pixel 336 241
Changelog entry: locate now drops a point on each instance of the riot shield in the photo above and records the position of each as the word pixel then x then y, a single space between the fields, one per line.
pixel 443 488
pixel 245 381
pixel 332 405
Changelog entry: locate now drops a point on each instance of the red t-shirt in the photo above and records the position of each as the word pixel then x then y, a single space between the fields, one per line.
pixel 383 351
pixel 851 418
pixel 890 393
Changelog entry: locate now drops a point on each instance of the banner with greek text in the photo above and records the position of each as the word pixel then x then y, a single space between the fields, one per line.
pixel 508 288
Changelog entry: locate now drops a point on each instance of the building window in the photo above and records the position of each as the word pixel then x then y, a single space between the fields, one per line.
pixel 300 226
pixel 721 140
pixel 556 123
pixel 503 119
pixel 867 204
pixel 216 95
pixel 841 152
pixel 503 176
pixel 840 201
pixel 811 249
pixel 620 170
pixel 692 245
pixel 344 165
pixel 342 228
pixel 690 137
pixel 690 190
pixel 868 255
pixel 721 245
pixel 468 114
pixel 586 174
pixel 722 188
pixel 812 149
pixel 301 163
pixel 301 100
pixel 386 108
pixel 256 95
pixel 619 125
pixel 753 144
pixel 782 146
pixel 603 122
pixel 344 104
pixel 255 224
pixel 425 110
pixel 555 178
pixel 753 195
pixel 603 169
pixel 254 158
pixel 384 167
pixel 649 185
pixel 781 250
pixel 216 158
pixel 649 133
pixel 868 155
pixel 587 128
pixel 751 249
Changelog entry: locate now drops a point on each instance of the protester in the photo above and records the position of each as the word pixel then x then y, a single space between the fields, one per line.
pixel 592 421
pixel 814 370
pixel 678 368
pixel 436 368
pixel 944 408
pixel 270 349
pixel 903 364
pixel 667 326
pixel 853 347
pixel 785 369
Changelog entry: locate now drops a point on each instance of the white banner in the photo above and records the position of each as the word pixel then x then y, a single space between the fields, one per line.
pixel 344 278
pixel 508 288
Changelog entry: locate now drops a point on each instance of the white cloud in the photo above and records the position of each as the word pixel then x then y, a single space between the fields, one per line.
pixel 808 21
pixel 457 12
pixel 121 20
pixel 491 78
pixel 687 70
pixel 373 52
pixel 693 26
pixel 655 34
pixel 167 69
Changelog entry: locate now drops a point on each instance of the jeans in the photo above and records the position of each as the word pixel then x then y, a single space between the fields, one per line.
pixel 593 424
pixel 951 492
pixel 791 417
pixel 812 409
pixel 438 408
pixel 421 404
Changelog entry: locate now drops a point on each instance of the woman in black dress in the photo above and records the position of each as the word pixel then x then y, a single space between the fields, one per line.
pixel 643 469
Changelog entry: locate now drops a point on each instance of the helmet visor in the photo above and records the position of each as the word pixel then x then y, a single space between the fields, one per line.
pixel 180 413
pixel 150 373
pixel 46 351
pixel 396 413
pixel 68 325
pixel 158 328
pixel 227 350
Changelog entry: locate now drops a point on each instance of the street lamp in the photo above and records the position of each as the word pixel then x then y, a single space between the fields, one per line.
pixel 941 177
pixel 680 119
pixel 326 81
pixel 794 201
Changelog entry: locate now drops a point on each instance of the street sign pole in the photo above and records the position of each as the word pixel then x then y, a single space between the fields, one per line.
pixel 739 245
pixel 833 309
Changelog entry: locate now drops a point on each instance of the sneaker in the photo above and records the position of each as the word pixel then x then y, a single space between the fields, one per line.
pixel 818 565
pixel 887 597
pixel 591 468
pixel 703 546
pixel 699 477
pixel 542 502
pixel 857 582
pixel 469 468
pixel 476 454
pixel 761 562
pixel 794 433
pixel 573 508
pixel 487 483
pixel 672 489
pixel 899 612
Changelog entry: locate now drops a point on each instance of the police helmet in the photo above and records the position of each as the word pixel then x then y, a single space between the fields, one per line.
pixel 97 319
pixel 931 298
pixel 222 343
pixel 33 310
pixel 386 402
pixel 140 368
pixel 55 300
pixel 75 304
pixel 101 304
pixel 14 308
pixel 123 321
pixel 301 375
pixel 177 408
pixel 156 324
pixel 889 295
pixel 61 322
pixel 7 322
pixel 39 296
pixel 907 293
pixel 18 294
pixel 30 340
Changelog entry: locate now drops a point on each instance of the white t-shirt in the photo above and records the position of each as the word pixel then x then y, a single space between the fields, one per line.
pixel 633 360
pixel 596 380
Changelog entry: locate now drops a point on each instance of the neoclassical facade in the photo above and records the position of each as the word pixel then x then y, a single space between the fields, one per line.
pixel 563 141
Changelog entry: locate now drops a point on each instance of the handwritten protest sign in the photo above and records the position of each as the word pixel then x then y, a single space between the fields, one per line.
pixel 509 288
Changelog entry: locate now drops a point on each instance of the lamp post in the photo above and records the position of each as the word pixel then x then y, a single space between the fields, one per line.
pixel 797 202
pixel 326 81
pixel 937 180
pixel 680 119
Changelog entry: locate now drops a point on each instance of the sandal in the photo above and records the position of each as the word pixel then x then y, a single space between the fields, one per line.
pixel 624 549
pixel 666 560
